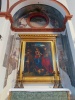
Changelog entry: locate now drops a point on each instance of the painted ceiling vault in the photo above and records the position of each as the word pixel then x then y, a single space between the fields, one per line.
pixel 38 16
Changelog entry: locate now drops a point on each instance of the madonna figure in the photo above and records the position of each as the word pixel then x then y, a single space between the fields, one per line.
pixel 37 59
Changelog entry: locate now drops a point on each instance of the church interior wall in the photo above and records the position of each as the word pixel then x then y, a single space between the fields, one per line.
pixel 71 7
pixel 10 63
pixel 68 66
pixel 10 84
pixel 5 32
pixel 5 29
pixel 4 6
pixel 3 43
pixel 71 36
pixel 11 2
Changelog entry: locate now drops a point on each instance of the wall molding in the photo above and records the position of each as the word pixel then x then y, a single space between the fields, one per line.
pixel 7 5
pixel 14 5
pixel 55 1
pixel 67 18
pixel 37 29
pixel 33 15
pixel 9 17
pixel 62 6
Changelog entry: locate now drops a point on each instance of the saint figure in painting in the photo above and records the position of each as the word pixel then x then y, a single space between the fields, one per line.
pixel 28 61
pixel 46 63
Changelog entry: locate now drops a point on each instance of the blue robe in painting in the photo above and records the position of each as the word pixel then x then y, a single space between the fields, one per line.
pixel 37 61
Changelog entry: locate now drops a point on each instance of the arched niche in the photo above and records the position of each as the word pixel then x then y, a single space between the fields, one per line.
pixel 38 16
pixel 65 13
pixel 55 4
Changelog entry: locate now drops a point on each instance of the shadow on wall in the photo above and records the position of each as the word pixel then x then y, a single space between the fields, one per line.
pixel 67 84
pixel 69 61
pixel 65 57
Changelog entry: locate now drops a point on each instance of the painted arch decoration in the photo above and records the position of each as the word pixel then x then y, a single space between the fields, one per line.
pixel 38 16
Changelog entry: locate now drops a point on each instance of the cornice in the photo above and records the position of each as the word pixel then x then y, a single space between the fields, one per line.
pixel 67 18
pixel 9 17
pixel 55 1
pixel 37 29
pixel 62 6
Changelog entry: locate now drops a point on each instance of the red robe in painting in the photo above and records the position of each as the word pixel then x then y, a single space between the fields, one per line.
pixel 46 64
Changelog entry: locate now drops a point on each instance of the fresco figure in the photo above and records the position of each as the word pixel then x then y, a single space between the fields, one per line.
pixel 22 22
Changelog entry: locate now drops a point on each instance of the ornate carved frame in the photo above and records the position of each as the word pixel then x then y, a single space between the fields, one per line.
pixel 38 38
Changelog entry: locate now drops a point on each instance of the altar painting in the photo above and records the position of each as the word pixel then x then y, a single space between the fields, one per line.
pixel 38 59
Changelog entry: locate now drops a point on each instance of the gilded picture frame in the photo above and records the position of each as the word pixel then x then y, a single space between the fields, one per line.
pixel 31 46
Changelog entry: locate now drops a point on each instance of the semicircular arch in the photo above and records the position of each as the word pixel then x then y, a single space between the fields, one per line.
pixel 57 5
